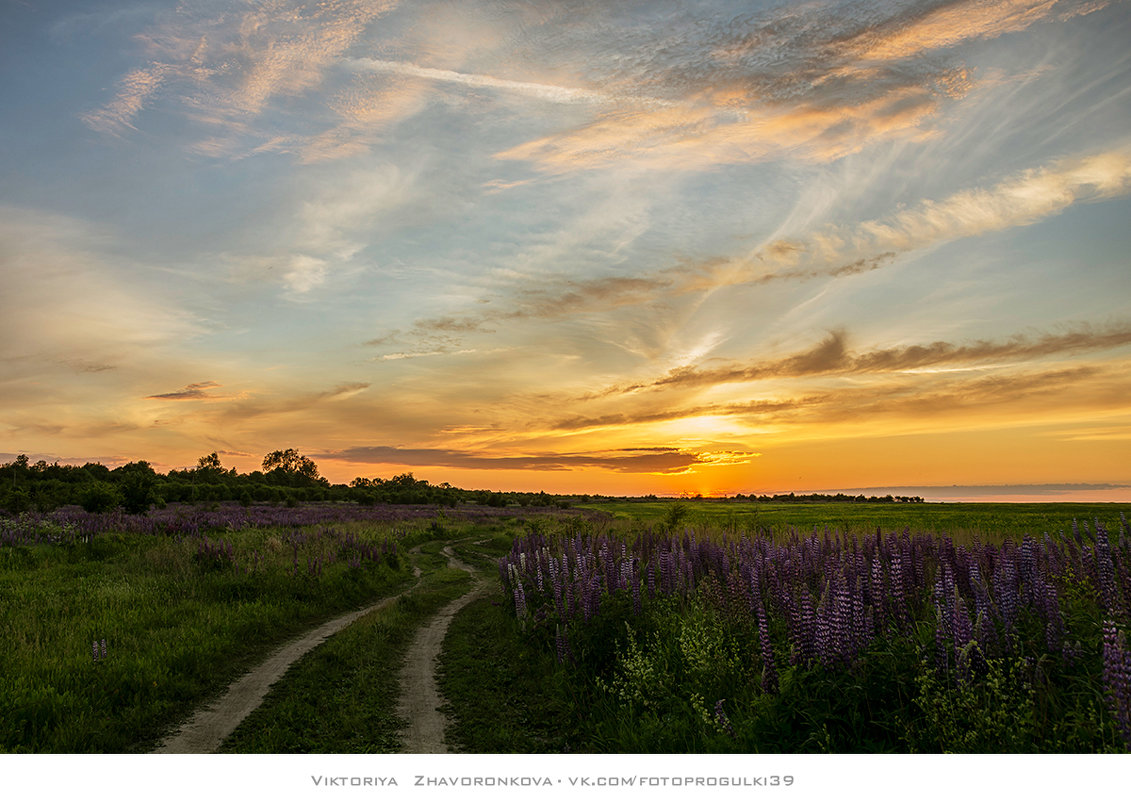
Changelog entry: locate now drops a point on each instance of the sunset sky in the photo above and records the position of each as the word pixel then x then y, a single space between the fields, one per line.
pixel 614 247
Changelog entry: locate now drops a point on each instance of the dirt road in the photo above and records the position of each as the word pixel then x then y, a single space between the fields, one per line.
pixel 420 699
pixel 206 730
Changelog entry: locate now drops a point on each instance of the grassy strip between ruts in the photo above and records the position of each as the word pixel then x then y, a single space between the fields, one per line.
pixel 342 697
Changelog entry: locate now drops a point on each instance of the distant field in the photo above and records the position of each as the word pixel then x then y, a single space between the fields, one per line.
pixel 959 520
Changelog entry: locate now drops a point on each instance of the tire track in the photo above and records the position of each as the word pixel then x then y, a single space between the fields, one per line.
pixel 420 697
pixel 211 725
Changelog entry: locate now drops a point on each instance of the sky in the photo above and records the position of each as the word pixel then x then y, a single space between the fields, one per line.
pixel 603 247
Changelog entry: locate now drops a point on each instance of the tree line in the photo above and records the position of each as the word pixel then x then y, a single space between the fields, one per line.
pixel 287 477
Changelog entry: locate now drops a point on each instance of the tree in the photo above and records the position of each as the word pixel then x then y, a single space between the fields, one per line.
pixel 136 482
pixel 209 462
pixel 98 496
pixel 292 464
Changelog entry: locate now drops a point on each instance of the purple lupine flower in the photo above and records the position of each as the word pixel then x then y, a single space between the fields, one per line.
pixel 561 644
pixel 1117 678
pixel 688 574
pixel 804 634
pixel 519 593
pixel 557 585
pixel 593 597
pixel 722 720
pixel 1005 589
pixel 1105 573
pixel 984 631
pixel 861 633
pixel 898 598
pixel 634 572
pixel 552 568
pixel 1027 569
pixel 949 590
pixel 877 590
pixel 769 668
pixel 1123 570
pixel 823 641
pixel 842 634
pixel 941 636
pixel 962 631
pixel 103 648
pixel 1054 620
pixel 94 650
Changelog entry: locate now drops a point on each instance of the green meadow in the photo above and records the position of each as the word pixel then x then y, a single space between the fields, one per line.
pixel 115 637
pixel 988 521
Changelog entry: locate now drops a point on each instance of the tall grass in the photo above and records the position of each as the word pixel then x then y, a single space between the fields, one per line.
pixel 112 637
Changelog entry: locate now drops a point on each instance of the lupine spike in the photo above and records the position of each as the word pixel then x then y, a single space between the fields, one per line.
pixel 1117 678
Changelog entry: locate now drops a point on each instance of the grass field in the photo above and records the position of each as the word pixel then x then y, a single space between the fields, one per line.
pixel 989 521
pixel 113 637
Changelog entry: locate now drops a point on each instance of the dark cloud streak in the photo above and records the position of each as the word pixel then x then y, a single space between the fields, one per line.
pixel 190 392
pixel 644 460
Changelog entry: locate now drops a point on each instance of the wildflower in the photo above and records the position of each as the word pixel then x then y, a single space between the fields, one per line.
pixel 804 633
pixel 877 589
pixel 1105 572
pixel 721 719
pixel 769 669
pixel 1117 678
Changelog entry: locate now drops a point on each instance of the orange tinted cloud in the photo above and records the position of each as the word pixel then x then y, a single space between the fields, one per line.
pixel 134 91
pixel 953 23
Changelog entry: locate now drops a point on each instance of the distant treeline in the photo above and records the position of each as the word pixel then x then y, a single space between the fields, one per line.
pixel 839 497
pixel 287 478
pixel 792 497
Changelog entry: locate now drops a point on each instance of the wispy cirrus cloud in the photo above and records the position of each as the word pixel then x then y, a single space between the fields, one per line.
pixel 134 91
pixel 538 91
pixel 261 404
pixel 330 226
pixel 815 83
pixel 839 250
pixel 223 67
pixel 828 252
